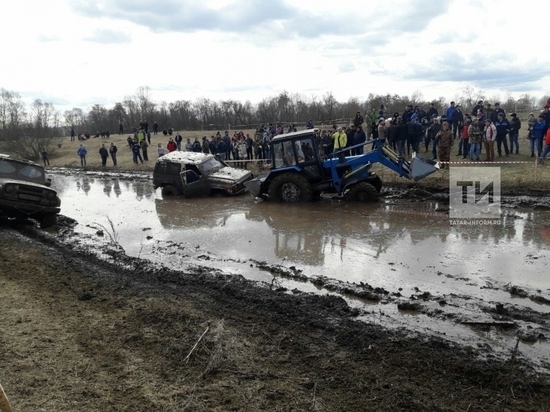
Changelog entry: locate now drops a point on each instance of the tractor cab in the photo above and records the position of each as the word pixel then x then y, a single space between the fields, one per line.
pixel 297 150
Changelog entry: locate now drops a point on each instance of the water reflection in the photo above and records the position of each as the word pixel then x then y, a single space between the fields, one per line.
pixel 342 240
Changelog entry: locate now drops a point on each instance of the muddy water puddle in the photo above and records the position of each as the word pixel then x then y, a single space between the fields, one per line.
pixel 392 251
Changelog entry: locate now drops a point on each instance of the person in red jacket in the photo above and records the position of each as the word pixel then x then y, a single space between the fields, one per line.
pixel 546 148
pixel 171 146
pixel 463 146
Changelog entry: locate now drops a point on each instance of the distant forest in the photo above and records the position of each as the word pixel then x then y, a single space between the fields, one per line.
pixel 38 124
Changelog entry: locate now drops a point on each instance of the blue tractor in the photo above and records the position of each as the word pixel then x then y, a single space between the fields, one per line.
pixel 300 170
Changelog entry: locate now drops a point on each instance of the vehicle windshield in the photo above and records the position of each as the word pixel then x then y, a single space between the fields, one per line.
pixel 211 165
pixel 10 169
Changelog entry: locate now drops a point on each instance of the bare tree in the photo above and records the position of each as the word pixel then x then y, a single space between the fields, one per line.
pixel 36 131
pixel 11 112
pixel 132 111
pixel 145 103
pixel 75 118
pixel 329 105
pixel 98 116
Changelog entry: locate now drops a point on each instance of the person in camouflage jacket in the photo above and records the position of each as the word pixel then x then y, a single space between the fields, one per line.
pixel 475 132
pixel 445 143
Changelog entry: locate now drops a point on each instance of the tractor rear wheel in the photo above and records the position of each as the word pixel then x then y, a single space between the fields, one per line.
pixel 362 192
pixel 290 188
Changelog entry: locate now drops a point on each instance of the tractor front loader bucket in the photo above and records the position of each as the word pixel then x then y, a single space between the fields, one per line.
pixel 422 167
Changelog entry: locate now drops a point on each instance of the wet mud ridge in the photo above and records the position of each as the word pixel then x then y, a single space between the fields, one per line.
pixel 121 333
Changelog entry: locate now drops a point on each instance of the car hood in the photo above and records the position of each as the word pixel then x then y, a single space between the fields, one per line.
pixel 4 181
pixel 230 173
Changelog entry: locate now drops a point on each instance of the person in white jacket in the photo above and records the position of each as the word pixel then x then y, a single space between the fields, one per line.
pixel 489 137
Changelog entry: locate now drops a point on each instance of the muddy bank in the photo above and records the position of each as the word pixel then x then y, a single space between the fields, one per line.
pixel 88 333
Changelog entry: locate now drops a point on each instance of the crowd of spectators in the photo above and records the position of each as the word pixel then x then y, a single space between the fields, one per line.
pixel 473 133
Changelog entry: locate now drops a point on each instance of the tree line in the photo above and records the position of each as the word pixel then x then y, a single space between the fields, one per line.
pixel 28 130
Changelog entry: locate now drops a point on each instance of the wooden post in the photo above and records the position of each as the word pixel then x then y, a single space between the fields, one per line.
pixel 4 403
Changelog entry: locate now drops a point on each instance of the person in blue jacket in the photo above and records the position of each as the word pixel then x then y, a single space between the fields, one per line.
pixel 82 152
pixel 503 127
pixel 450 110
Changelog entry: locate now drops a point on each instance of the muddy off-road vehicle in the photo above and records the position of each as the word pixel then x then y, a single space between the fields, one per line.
pixel 25 192
pixel 197 174
pixel 301 172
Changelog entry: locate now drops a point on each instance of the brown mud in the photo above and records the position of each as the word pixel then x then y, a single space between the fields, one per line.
pixel 83 333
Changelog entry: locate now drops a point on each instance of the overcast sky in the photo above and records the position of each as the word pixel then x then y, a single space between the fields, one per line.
pixel 75 53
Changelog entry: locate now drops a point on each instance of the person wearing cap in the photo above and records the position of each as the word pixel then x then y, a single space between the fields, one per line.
pixel 432 112
pixel 358 120
pixel 513 134
pixel 503 126
pixel 489 137
pixel 444 140
pixel 496 111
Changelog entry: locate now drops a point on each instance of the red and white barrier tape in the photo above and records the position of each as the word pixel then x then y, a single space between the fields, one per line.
pixel 471 162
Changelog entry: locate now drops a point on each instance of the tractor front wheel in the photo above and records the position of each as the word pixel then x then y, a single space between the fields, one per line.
pixel 362 192
pixel 376 182
pixel 290 188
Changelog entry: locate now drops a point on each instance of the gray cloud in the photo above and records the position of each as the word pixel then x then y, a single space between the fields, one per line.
pixel 106 36
pixel 481 70
pixel 188 15
pixel 47 39
pixel 274 18
pixel 346 67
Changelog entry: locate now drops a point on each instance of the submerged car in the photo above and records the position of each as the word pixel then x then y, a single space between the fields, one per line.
pixel 197 174
pixel 25 192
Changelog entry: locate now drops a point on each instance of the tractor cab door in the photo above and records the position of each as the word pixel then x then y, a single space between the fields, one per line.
pixel 193 182
pixel 299 153
pixel 308 157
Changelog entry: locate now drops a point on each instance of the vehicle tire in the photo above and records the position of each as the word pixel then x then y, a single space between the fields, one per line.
pixel 362 192
pixel 290 188
pixel 48 220
pixel 376 182
pixel 169 190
